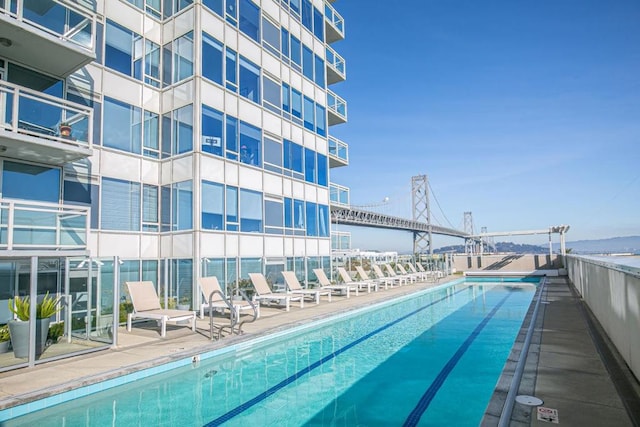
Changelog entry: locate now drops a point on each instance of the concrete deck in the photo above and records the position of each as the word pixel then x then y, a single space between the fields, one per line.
pixel 564 368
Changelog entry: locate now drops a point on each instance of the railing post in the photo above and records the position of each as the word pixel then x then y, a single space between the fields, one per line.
pixel 10 229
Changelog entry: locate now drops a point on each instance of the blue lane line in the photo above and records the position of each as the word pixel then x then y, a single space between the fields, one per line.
pixel 262 396
pixel 427 397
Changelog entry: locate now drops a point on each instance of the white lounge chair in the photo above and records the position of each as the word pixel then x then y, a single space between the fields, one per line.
pixel 295 288
pixel 209 286
pixel 381 276
pixel 392 274
pixel 325 283
pixel 411 276
pixel 365 280
pixel 263 292
pixel 431 275
pixel 146 305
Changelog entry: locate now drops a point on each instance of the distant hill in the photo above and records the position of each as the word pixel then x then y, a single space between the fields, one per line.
pixel 628 244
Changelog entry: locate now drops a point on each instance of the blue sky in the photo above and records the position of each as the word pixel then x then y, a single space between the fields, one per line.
pixel 525 113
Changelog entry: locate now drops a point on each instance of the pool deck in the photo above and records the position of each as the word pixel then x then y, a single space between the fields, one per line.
pixel 564 367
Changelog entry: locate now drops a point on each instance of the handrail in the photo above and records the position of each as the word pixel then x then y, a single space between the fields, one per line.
pixel 231 307
pixel 505 416
pixel 255 311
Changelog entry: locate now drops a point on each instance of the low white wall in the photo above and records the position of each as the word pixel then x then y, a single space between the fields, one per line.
pixel 613 295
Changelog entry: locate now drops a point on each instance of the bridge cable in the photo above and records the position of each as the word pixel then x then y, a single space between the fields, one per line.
pixel 438 203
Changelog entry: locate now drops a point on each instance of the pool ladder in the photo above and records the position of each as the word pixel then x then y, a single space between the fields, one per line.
pixel 234 326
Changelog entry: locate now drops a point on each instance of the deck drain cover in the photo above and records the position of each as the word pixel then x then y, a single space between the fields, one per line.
pixel 529 400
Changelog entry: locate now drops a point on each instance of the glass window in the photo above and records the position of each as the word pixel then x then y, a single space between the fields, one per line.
pixel 250 144
pixel 151 134
pixel 150 203
pixel 120 205
pixel 152 63
pixel 181 4
pixel 212 206
pixel 296 103
pixel 183 57
pixel 271 94
pixel 167 75
pixel 214 5
pixel 183 129
pixel 231 11
pixel 323 220
pixel 321 120
pixel 295 6
pixel 298 214
pixel 231 138
pixel 318 24
pixel 182 206
pixel 307 15
pixel 296 51
pixel 312 215
pixel 307 62
pixel 309 122
pixel 166 135
pixel 231 70
pixel 212 128
pixel 121 126
pixel 211 58
pixel 82 193
pixel 284 38
pixel 323 175
pixel 319 71
pixel 232 208
pixel 286 105
pixel 165 208
pixel 30 182
pixel 250 19
pixel 250 211
pixel 309 165
pixel 288 212
pixel 270 36
pixel 296 158
pixel 249 80
pixel 272 155
pixel 273 216
pixel 118 51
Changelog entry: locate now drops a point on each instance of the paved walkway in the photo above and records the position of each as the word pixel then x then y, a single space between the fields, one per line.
pixel 564 369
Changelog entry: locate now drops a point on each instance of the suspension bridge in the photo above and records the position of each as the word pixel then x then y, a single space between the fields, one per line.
pixel 422 227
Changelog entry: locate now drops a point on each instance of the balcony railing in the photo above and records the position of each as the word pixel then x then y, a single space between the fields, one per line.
pixel 338 152
pixel 334 28
pixel 337 108
pixel 336 68
pixel 338 195
pixel 53 35
pixel 29 225
pixel 39 126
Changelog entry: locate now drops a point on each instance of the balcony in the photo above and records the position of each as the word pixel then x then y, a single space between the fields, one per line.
pixel 338 153
pixel 30 225
pixel 333 24
pixel 336 67
pixel 55 36
pixel 337 109
pixel 42 128
pixel 338 195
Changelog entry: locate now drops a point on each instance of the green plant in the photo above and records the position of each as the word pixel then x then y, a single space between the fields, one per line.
pixel 4 333
pixel 55 332
pixel 21 307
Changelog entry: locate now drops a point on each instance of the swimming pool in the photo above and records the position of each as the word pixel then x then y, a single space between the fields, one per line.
pixel 430 359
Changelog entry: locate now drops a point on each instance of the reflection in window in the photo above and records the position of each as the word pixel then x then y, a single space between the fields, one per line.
pixel 231 208
pixel 323 175
pixel 212 206
pixel 211 58
pixel 250 211
pixel 249 80
pixel 309 165
pixel 212 134
pixel 250 19
pixel 183 129
pixel 182 206
pixel 183 57
pixel 122 126
pixel 30 182
pixel 312 219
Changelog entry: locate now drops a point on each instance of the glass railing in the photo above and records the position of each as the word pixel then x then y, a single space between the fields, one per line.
pixel 62 19
pixel 338 195
pixel 334 18
pixel 337 104
pixel 338 149
pixel 30 225
pixel 34 113
pixel 336 62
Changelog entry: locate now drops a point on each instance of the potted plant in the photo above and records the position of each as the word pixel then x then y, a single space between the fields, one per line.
pixel 5 338
pixel 19 328
pixel 65 130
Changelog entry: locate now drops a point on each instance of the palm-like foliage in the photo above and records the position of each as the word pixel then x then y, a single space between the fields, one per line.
pixel 21 307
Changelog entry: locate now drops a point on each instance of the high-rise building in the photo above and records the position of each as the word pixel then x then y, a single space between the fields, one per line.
pixel 163 141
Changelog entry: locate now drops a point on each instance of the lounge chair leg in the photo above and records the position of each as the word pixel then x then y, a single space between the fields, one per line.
pixel 163 331
pixel 193 322
pixel 286 302
pixel 329 296
pixel 317 298
pixel 129 315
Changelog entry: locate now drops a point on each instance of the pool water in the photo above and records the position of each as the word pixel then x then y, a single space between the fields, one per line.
pixel 431 359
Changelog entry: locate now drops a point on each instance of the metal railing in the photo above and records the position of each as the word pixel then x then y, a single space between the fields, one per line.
pixel 336 62
pixel 338 149
pixel 28 225
pixel 334 18
pixel 77 26
pixel 336 104
pixel 338 195
pixel 37 114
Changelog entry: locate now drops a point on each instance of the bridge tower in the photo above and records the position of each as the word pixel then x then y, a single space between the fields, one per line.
pixel 469 244
pixel 422 241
